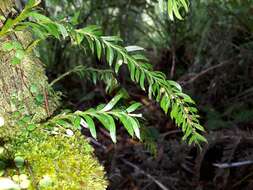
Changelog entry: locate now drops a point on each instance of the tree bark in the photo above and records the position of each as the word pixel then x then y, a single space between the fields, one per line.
pixel 23 87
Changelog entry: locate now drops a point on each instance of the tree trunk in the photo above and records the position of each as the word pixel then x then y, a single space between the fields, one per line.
pixel 24 90
pixel 23 87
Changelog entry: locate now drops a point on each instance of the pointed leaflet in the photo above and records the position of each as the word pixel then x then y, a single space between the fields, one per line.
pixel 91 125
pixel 134 48
pixel 131 68
pixel 52 29
pixel 109 124
pixel 175 84
pixel 112 38
pixel 130 124
pixel 170 9
pixel 63 30
pixel 165 103
pixel 142 81
pixel 32 3
pixel 200 137
pixel 176 11
pixel 136 126
pixel 137 75
pixel 118 63
pixel 109 55
pixel 90 42
pixel 139 57
pixel 76 122
pixel 133 107
pixel 185 5
pixel 39 17
pixel 113 102
pixel 99 48
pixel 188 133
pixel 124 118
pixel 90 30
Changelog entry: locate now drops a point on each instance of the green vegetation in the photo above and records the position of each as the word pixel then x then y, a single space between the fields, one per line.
pixel 50 158
pixel 168 93
pixel 95 73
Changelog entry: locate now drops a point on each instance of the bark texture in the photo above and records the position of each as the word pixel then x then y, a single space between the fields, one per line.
pixel 23 87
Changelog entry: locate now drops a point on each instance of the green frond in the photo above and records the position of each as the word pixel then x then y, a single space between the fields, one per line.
pixel 166 92
pixel 107 115
pixel 93 74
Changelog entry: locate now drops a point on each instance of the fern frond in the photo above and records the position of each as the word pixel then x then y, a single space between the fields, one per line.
pixel 166 92
pixel 93 74
pixel 106 115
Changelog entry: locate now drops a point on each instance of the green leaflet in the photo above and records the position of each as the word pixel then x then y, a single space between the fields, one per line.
pixel 134 48
pixel 174 7
pixel 108 122
pixel 113 102
pixel 109 55
pixel 99 48
pixel 133 107
pixel 39 17
pixel 106 118
pixel 142 81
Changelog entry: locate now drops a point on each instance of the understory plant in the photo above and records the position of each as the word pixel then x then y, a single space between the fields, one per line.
pixel 43 148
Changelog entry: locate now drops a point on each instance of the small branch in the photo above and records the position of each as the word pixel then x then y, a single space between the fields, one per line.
pixel 204 72
pixel 233 164
pixel 146 174
pixel 61 77
pixel 46 101
pixel 95 142
pixel 170 133
pixel 173 67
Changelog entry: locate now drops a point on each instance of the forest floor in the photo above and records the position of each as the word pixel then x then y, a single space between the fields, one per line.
pixel 169 164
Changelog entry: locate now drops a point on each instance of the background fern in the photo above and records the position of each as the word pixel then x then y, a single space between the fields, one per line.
pixel 173 7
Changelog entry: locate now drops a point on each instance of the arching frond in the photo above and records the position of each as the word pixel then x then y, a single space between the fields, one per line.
pixel 106 115
pixel 93 74
pixel 178 105
pixel 166 92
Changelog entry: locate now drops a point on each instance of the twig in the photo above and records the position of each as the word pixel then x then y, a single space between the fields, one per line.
pixel 91 140
pixel 243 179
pixel 46 101
pixel 146 174
pixel 61 77
pixel 173 67
pixel 170 133
pixel 233 164
pixel 204 72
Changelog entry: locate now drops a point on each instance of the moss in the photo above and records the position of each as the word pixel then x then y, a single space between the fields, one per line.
pixel 54 161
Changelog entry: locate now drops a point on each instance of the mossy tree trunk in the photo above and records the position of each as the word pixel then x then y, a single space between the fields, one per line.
pixel 23 87
pixel 67 162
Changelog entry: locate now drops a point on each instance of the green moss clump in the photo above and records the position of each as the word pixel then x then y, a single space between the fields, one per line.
pixel 56 161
